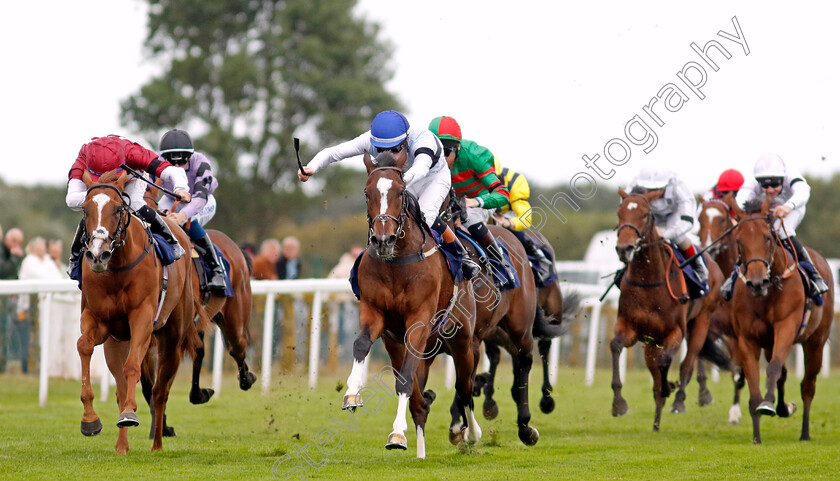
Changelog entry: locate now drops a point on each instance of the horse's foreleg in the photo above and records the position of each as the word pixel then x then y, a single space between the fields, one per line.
pixel 371 323
pixel 199 395
pixel 783 409
pixel 92 334
pixel 813 349
pixel 782 343
pixel 547 402
pixel 653 360
pixel 406 381
pixel 623 338
pixel 419 406
pixel 488 379
pixel 464 348
pixel 141 333
pixel 170 359
pixel 748 354
pixel 235 328
pixel 738 382
pixel 522 368
pixel 115 356
pixel 704 396
pixel 698 329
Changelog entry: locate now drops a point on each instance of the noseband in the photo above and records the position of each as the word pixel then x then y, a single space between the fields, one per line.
pixel 400 221
pixel 117 239
pixel 776 280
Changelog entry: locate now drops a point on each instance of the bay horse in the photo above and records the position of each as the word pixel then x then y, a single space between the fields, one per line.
pixel 506 319
pixel 772 311
pixel 553 315
pixel 404 285
pixel 651 307
pixel 124 304
pixel 716 224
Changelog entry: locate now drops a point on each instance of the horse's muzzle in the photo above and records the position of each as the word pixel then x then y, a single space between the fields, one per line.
pixel 626 252
pixel 98 263
pixel 758 288
pixel 384 245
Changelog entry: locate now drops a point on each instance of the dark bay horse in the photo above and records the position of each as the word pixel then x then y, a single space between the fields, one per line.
pixel 123 305
pixel 716 224
pixel 650 307
pixel 553 316
pixel 506 319
pixel 771 311
pixel 405 286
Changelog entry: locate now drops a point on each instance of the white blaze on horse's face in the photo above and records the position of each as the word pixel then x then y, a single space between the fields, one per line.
pixel 100 233
pixel 632 206
pixel 711 214
pixel 383 186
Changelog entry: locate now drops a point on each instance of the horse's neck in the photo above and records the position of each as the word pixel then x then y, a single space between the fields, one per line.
pixel 136 241
pixel 650 262
pixel 781 260
pixel 414 238
pixel 727 258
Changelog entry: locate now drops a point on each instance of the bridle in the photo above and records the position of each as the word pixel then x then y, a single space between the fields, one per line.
pixel 776 280
pixel 717 247
pixel 400 221
pixel 117 239
pixel 646 229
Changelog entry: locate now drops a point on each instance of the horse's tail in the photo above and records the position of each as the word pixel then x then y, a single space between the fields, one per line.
pixel 549 327
pixel 713 352
pixel 248 261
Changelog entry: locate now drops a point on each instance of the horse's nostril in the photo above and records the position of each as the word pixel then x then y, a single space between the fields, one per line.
pixel 88 256
pixel 392 239
pixel 105 256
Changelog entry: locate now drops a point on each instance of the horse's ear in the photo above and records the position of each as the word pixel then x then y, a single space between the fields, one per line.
pixel 120 183
pixel 765 206
pixel 700 199
pixel 654 194
pixel 729 199
pixel 368 162
pixel 400 163
pixel 87 179
pixel 622 193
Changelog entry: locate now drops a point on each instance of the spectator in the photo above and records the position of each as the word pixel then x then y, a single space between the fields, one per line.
pixel 55 249
pixel 36 265
pixel 11 256
pixel 288 265
pixel 266 259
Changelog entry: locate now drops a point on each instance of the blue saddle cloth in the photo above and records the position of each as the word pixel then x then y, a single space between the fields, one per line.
pixel 500 275
pixel 225 263
pixel 453 261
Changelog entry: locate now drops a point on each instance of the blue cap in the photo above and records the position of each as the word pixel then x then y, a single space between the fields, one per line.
pixel 388 129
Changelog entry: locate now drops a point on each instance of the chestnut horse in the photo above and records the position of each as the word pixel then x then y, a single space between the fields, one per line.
pixel 405 284
pixel 123 304
pixel 552 318
pixel 650 307
pixel 716 224
pixel 772 311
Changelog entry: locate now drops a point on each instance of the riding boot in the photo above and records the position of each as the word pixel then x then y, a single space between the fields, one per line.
pixel 468 266
pixel 217 278
pixel 76 247
pixel 488 242
pixel 818 286
pixel 728 286
pixel 160 227
pixel 543 264
pixel 700 268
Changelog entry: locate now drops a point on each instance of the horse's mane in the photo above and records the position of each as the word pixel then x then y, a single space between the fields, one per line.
pixel 753 206
pixel 110 177
pixel 413 208
pixel 386 159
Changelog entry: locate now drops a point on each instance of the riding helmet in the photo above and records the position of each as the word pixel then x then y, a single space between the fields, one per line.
pixel 388 129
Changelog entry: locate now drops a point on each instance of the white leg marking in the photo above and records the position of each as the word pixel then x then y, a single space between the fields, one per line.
pixel 356 381
pixel 735 414
pixel 473 433
pixel 400 425
pixel 421 443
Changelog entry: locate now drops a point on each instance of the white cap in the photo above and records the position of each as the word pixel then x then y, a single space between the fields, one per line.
pixel 654 178
pixel 769 165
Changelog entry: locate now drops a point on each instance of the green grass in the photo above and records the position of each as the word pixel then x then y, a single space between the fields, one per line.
pixel 240 435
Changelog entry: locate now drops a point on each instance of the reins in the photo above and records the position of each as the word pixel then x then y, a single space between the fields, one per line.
pixel 119 237
pixel 788 270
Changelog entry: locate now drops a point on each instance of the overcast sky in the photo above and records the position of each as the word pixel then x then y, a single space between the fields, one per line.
pixel 540 83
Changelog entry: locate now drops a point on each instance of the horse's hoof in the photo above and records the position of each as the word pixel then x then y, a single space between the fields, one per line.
pixel 766 409
pixel 430 397
pixel 397 441
pixel 547 404
pixel 678 408
pixel 92 428
pixel 128 420
pixel 786 410
pixel 490 410
pixel 734 414
pixel 352 401
pixel 249 380
pixel 620 408
pixel 201 396
pixel 529 435
pixel 705 398
pixel 456 435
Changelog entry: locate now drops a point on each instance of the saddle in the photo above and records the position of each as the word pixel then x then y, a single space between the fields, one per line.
pixel 491 265
pixel 695 288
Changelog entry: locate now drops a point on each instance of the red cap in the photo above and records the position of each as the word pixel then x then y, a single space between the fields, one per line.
pixel 730 179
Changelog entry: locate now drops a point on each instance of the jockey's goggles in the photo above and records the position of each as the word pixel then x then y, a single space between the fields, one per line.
pixel 770 182
pixel 394 150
